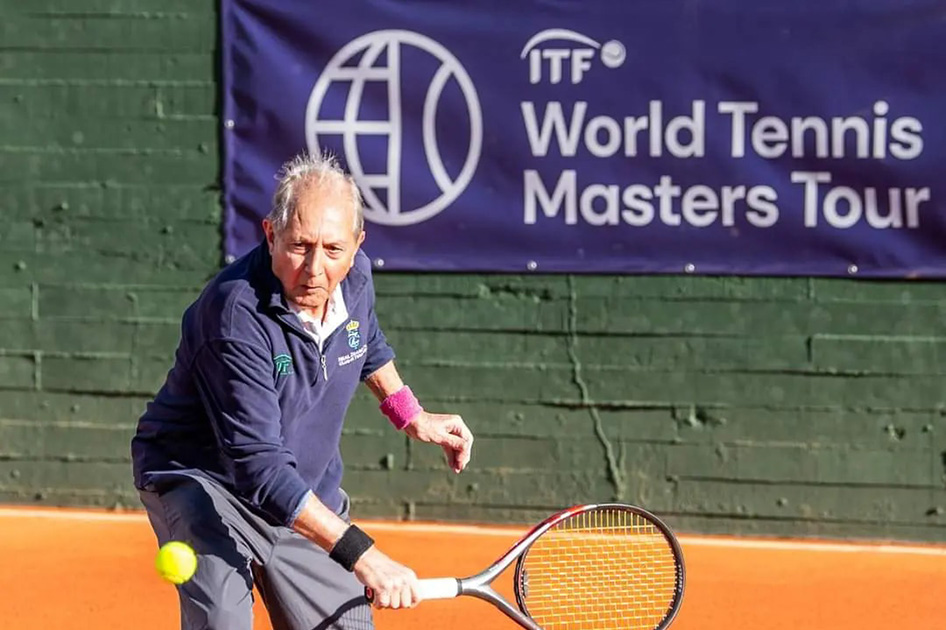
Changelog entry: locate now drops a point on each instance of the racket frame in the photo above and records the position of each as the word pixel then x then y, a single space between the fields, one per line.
pixel 479 585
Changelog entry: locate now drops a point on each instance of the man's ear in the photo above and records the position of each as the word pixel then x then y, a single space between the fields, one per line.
pixel 358 242
pixel 270 234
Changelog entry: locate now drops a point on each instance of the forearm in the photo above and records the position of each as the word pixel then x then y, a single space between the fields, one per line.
pixel 319 524
pixel 384 381
pixel 394 585
pixel 405 413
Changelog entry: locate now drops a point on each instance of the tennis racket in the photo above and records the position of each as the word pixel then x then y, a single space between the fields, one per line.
pixel 591 567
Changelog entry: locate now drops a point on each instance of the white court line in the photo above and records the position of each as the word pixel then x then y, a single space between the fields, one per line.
pixel 513 533
pixel 790 545
pixel 686 541
pixel 74 515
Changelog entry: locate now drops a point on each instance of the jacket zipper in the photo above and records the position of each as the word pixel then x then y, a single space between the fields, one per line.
pixel 324 369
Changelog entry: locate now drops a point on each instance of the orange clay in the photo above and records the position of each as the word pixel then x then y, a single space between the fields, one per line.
pixel 73 570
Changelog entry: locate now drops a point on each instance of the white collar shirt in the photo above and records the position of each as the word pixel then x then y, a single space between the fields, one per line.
pixel 335 316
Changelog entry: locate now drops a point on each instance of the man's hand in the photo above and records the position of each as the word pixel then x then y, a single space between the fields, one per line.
pixel 392 585
pixel 447 430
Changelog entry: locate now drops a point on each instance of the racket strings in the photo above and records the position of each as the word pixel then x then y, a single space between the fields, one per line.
pixel 603 569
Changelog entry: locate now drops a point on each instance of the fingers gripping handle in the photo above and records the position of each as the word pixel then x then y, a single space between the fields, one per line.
pixel 434 588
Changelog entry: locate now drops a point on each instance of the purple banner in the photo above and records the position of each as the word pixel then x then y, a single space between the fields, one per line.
pixel 793 137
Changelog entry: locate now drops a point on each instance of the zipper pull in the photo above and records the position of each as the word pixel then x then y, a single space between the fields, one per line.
pixel 324 369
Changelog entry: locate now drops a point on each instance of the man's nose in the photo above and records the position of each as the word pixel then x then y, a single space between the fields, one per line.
pixel 315 262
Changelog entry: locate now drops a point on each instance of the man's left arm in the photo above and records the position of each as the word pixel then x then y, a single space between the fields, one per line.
pixel 402 408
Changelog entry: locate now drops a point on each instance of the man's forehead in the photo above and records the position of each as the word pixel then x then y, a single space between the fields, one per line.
pixel 325 200
pixel 326 189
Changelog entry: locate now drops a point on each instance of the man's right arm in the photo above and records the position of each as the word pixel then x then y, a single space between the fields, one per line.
pixel 394 585
pixel 235 383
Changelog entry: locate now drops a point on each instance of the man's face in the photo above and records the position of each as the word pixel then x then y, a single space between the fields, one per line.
pixel 315 250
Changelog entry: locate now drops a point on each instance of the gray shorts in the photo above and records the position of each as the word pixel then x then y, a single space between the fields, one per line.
pixel 302 588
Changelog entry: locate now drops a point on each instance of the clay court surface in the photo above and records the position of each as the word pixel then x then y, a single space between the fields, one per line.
pixel 86 570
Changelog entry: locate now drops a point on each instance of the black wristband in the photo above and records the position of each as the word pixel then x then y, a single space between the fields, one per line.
pixel 351 546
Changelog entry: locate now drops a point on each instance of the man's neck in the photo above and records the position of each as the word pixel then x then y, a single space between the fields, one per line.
pixel 318 314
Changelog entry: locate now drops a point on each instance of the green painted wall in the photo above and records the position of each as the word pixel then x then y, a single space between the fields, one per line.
pixel 749 405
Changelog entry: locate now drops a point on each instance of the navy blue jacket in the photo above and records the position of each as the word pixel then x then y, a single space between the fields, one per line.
pixel 250 401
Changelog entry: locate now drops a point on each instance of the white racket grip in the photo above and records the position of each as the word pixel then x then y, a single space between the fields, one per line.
pixel 439 588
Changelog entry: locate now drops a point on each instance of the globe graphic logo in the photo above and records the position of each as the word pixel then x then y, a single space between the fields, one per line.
pixel 369 70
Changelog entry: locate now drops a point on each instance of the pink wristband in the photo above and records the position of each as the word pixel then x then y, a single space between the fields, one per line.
pixel 401 407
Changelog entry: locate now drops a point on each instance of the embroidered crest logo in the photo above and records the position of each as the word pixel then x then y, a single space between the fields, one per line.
pixel 354 337
pixel 283 363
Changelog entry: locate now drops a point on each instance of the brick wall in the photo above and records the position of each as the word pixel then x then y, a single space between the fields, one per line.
pixel 748 405
pixel 109 197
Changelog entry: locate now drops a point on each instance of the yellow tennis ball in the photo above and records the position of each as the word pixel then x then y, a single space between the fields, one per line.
pixel 176 562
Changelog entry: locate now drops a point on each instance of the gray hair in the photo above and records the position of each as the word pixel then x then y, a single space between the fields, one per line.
pixel 306 169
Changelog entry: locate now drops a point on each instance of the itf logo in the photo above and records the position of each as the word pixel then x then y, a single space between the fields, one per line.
pixel 378 100
pixel 556 63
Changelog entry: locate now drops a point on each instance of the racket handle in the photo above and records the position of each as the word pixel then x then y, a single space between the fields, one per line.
pixel 439 588
pixel 431 588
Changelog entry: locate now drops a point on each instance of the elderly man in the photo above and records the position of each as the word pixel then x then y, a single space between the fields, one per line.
pixel 238 454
